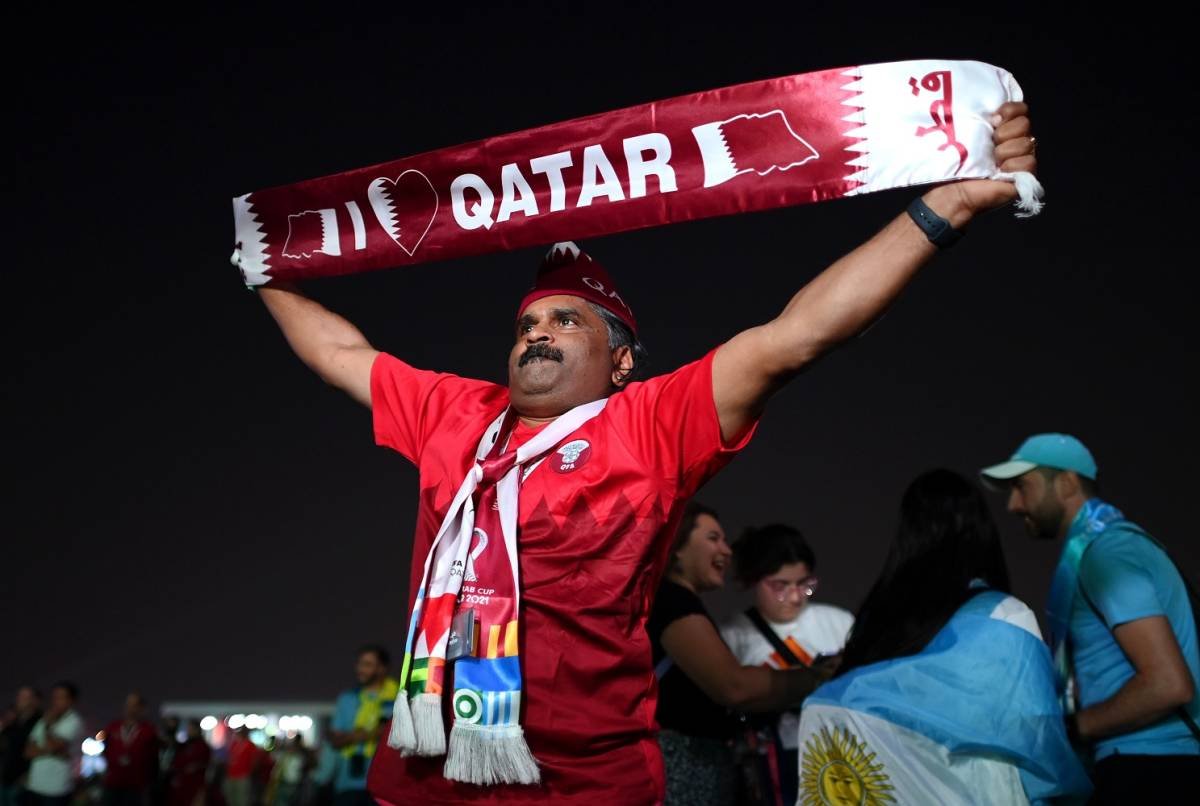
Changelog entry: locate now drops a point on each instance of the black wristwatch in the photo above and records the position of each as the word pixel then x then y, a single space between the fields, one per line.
pixel 937 229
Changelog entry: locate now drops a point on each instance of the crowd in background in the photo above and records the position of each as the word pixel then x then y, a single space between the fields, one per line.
pixel 940 687
pixel 168 763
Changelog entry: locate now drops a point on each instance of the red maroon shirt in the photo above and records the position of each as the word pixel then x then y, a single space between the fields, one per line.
pixel 243 758
pixel 131 753
pixel 595 526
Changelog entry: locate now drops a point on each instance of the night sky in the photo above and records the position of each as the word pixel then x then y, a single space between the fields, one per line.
pixel 191 512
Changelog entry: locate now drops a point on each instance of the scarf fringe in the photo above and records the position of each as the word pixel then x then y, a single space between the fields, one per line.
pixel 402 736
pixel 427 724
pixel 485 756
pixel 1029 192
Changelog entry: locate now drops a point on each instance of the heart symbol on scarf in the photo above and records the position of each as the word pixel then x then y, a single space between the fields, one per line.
pixel 405 207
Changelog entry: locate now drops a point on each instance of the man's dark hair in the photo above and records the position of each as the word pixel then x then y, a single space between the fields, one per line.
pixel 619 335
pixel 761 552
pixel 946 540
pixel 378 651
pixel 69 687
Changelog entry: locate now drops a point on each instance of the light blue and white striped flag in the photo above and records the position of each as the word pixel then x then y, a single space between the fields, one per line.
pixel 973 718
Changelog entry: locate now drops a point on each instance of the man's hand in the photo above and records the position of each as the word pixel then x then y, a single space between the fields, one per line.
pixel 1015 151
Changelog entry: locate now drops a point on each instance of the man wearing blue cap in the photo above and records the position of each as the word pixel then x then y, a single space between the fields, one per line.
pixel 1121 626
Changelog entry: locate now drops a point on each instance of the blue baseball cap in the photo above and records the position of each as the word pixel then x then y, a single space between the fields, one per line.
pixel 1057 451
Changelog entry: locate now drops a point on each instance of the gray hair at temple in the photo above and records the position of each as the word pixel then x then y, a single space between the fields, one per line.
pixel 619 335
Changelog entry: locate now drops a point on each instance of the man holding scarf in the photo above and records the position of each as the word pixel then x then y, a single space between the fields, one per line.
pixel 543 505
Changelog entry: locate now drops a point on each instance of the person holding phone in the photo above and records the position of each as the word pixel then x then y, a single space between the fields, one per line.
pixel 783 629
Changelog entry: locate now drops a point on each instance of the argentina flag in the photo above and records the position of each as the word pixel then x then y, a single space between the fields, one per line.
pixel 973 718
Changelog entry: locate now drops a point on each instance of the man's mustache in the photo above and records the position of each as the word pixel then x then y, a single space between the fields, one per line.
pixel 540 350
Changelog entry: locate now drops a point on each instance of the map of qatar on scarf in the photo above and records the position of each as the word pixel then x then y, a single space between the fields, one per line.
pixel 765 144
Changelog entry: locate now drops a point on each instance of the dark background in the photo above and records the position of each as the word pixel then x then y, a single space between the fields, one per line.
pixel 190 512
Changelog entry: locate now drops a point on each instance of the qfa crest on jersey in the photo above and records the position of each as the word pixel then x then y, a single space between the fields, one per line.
pixel 571 456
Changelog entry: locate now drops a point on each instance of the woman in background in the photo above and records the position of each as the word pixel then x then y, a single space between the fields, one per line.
pixel 699 678
pixel 189 768
pixel 946 692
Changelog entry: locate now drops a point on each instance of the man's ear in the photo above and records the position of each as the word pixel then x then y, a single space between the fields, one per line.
pixel 1066 485
pixel 622 359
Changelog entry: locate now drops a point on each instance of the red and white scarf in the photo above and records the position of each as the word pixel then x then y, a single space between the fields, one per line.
pixel 785 141
pixel 471 569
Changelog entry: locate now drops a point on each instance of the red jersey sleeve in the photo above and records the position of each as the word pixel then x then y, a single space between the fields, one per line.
pixel 407 403
pixel 672 422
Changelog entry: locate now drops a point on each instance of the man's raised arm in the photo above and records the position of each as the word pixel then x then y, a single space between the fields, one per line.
pixel 330 346
pixel 857 289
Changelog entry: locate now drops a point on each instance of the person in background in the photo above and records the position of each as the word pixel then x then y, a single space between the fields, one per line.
pixel 782 629
pixel 945 692
pixel 131 748
pixel 54 747
pixel 700 680
pixel 26 711
pixel 240 770
pixel 287 780
pixel 189 768
pixel 358 719
pixel 168 743
pixel 1121 623
pixel 323 773
pixel 263 775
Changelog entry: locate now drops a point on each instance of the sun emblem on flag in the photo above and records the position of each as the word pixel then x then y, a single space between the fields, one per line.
pixel 837 769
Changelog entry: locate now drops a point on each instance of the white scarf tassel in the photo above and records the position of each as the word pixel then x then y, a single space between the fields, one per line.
pixel 1029 192
pixel 428 725
pixel 402 736
pixel 487 756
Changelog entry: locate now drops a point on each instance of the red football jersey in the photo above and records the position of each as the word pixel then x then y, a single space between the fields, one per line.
pixel 131 752
pixel 597 515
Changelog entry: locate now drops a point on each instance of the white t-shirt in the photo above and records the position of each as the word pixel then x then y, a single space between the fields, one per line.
pixel 53 775
pixel 820 629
